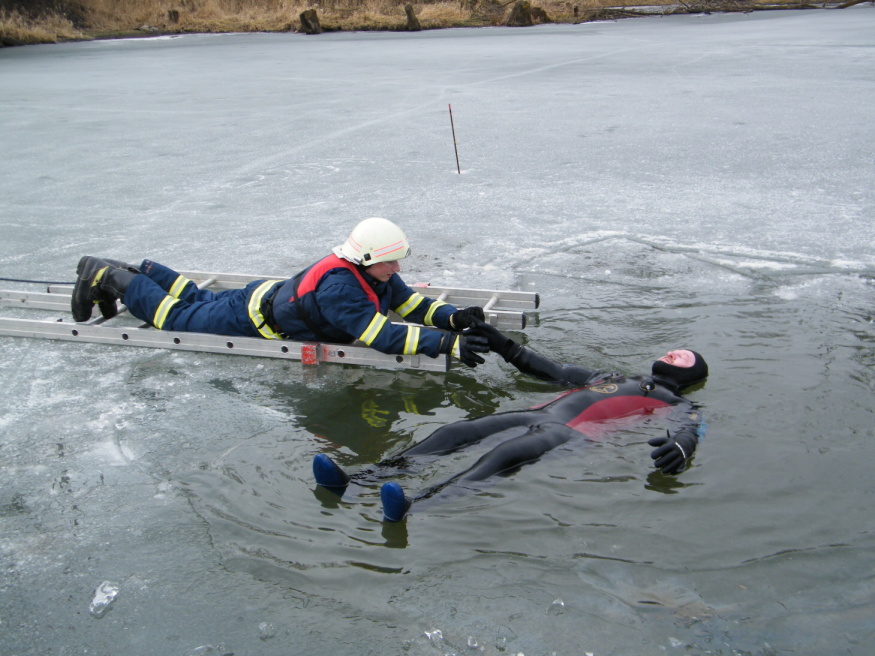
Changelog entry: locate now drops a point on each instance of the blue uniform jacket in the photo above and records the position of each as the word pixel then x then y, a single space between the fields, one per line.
pixel 340 306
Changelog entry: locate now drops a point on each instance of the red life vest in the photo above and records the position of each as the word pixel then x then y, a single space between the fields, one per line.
pixel 315 273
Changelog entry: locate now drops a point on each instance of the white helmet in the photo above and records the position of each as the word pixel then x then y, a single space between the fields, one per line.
pixel 374 240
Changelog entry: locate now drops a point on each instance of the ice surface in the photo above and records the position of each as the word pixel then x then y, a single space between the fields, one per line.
pixel 696 180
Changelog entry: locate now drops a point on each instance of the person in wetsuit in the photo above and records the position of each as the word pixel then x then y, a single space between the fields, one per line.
pixel 344 297
pixel 595 398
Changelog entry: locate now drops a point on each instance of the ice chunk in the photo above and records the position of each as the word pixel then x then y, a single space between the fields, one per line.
pixel 103 597
pixel 266 630
pixel 556 608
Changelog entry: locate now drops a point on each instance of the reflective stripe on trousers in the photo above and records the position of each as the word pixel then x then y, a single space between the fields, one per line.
pixel 255 314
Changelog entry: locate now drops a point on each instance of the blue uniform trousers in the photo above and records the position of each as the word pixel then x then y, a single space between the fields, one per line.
pixel 170 301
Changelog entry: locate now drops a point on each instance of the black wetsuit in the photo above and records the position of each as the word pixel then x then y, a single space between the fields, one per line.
pixel 599 403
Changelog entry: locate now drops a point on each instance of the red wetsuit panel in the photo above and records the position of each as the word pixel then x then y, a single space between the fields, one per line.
pixel 594 420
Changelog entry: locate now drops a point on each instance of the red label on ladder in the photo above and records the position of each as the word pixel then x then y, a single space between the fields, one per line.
pixel 310 353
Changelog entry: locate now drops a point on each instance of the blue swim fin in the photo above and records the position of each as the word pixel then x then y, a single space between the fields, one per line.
pixel 395 504
pixel 327 472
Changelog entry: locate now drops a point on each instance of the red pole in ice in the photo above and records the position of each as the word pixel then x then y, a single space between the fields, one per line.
pixel 458 168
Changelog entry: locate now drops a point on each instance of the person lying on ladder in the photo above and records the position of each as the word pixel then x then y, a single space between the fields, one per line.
pixel 341 298
pixel 596 397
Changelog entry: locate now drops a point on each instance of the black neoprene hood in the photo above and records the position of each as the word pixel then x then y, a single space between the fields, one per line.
pixel 683 376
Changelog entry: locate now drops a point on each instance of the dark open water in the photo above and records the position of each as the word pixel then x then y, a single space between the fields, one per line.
pixel 700 181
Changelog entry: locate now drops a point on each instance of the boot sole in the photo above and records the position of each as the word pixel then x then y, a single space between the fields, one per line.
pixel 82 302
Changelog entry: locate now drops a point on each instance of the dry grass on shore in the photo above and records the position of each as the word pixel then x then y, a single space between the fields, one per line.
pixel 51 21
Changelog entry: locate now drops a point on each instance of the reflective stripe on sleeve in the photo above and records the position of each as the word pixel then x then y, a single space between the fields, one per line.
pixel 374 328
pixel 410 304
pixel 178 286
pixel 412 341
pixel 434 308
pixel 163 310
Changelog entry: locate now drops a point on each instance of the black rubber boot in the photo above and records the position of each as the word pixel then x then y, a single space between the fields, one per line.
pixel 121 265
pixel 108 308
pixel 102 282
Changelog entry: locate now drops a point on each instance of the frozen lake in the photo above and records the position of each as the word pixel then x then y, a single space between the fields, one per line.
pixel 699 181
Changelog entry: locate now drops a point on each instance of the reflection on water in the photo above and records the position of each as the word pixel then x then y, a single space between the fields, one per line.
pixel 371 413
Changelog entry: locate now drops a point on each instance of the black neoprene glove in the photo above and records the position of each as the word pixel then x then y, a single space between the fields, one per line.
pixel 461 319
pixel 465 347
pixel 498 343
pixel 671 452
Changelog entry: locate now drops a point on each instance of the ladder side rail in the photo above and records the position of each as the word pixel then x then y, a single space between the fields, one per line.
pixel 507 299
pixel 501 319
pixel 226 280
pixel 464 299
pixel 61 303
pixel 34 300
pixel 60 290
pixel 202 342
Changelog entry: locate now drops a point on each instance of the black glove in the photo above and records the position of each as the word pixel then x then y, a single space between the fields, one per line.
pixel 461 319
pixel 465 347
pixel 498 343
pixel 672 452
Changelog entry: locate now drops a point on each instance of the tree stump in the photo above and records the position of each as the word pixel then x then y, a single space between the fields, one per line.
pixel 412 21
pixel 310 22
pixel 520 15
